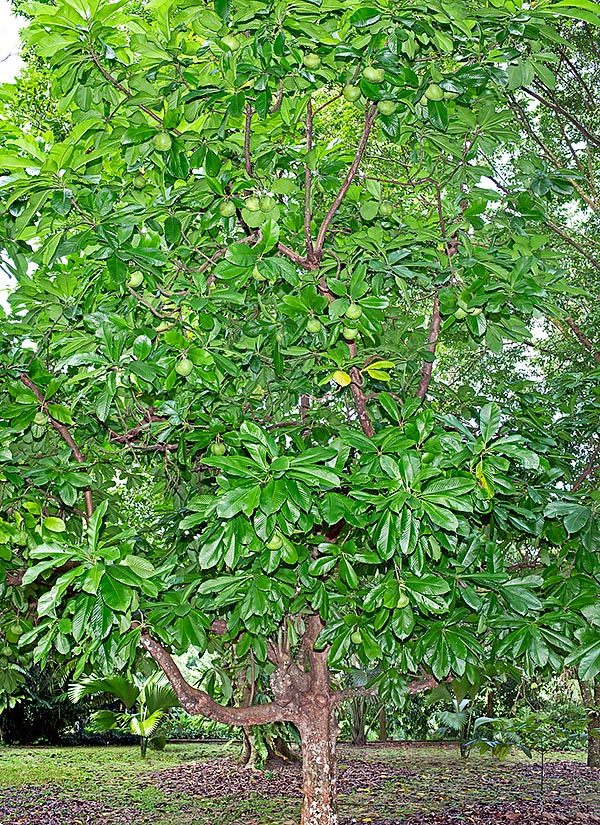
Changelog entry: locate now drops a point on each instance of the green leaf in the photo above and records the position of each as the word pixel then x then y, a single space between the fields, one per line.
pixel 54 524
pixel 490 418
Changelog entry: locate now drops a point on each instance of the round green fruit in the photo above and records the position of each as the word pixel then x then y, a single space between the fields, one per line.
pixel 351 93
pixel 460 314
pixel 386 209
pixel 312 61
pixel 267 203
pixel 183 367
pixel 139 182
pixel 135 279
pixel 217 448
pixel 353 312
pixel 232 42
pixel 313 325
pixel 162 142
pixel 274 542
pixel 227 209
pixel 40 419
pixel 349 333
pixel 434 92
pixel 373 75
pixel 252 204
pixel 403 601
pixel 356 638
pixel 386 107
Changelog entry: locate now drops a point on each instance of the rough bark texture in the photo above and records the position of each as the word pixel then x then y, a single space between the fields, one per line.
pixel 318 731
pixel 590 694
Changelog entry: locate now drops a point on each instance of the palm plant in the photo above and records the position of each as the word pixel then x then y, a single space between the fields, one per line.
pixel 144 702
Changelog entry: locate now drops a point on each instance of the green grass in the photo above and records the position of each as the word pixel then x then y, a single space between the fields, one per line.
pixel 391 782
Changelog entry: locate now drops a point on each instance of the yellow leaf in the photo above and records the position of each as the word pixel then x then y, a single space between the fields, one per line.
pixel 378 374
pixel 342 378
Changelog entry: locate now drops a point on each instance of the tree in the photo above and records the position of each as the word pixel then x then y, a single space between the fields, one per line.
pixel 211 292
pixel 145 702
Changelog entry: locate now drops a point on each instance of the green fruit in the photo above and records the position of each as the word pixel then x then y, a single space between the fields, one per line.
pixel 217 448
pixel 312 61
pixel 349 333
pixel 403 601
pixel 162 142
pixel 386 209
pixel 135 279
pixel 232 42
pixel 183 367
pixel 227 209
pixel 434 92
pixel 267 203
pixel 460 314
pixel 139 182
pixel 476 311
pixel 450 95
pixel 386 107
pixel 351 93
pixel 274 542
pixel 373 75
pixel 252 204
pixel 356 638
pixel 40 419
pixel 353 312
pixel 313 325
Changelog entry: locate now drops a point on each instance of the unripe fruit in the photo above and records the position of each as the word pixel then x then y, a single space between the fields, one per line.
pixel 267 203
pixel 403 601
pixel 252 204
pixel 217 448
pixel 353 312
pixel 460 314
pixel 374 75
pixel 274 542
pixel 139 182
pixel 40 419
pixel 227 209
pixel 232 42
pixel 386 107
pixel 356 638
pixel 135 279
pixel 312 61
pixel 162 142
pixel 349 333
pixel 313 325
pixel 351 93
pixel 183 367
pixel 434 92
pixel 386 209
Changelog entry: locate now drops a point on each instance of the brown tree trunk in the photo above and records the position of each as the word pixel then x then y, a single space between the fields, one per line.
pixel 590 694
pixel 318 732
pixel 383 737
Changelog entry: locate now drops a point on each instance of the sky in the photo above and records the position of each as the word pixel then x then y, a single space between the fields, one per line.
pixel 10 63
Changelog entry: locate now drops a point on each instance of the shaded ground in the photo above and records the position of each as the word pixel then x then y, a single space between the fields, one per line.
pixel 202 785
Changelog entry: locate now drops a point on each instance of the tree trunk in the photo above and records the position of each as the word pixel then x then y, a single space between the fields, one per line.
pixel 383 737
pixel 590 695
pixel 318 734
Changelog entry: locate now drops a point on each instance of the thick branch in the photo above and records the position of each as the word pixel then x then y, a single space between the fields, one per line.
pixel 198 702
pixel 583 339
pixel 65 433
pixel 432 339
pixel 369 121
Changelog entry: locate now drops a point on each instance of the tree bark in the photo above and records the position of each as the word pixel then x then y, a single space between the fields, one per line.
pixel 318 732
pixel 590 695
pixel 383 736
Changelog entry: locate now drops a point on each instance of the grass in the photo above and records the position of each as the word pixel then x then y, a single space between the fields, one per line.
pixel 379 784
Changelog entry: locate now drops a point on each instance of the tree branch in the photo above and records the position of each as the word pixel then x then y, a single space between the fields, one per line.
pixel 198 702
pixel 65 433
pixel 369 121
pixel 583 339
pixel 562 234
pixel 588 471
pixel 307 181
pixel 556 107
pixel 432 339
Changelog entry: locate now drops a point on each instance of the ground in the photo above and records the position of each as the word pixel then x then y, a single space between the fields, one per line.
pixel 399 784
